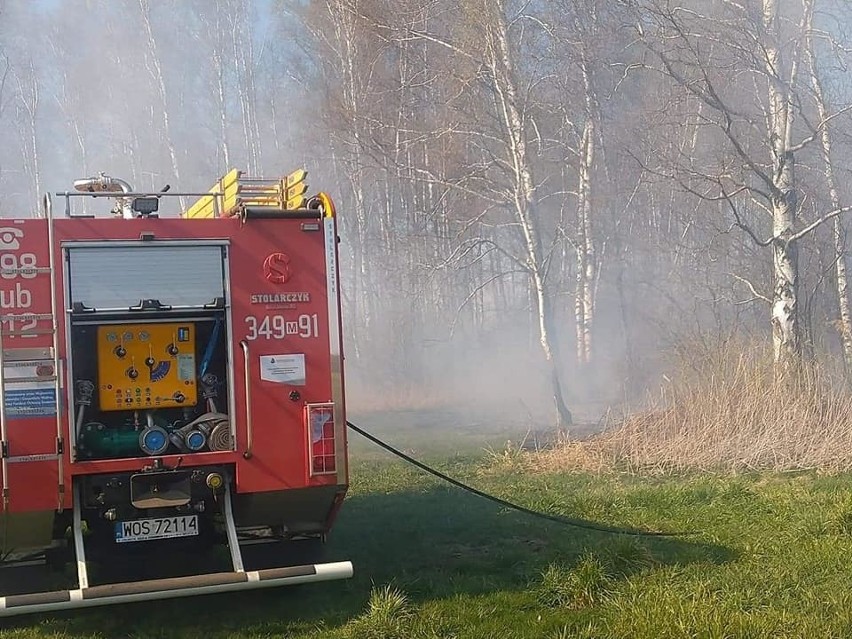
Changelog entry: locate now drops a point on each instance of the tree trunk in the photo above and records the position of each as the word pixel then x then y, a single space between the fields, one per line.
pixel 786 328
pixel 157 73
pixel 586 266
pixel 842 284
pixel 842 290
pixel 219 72
pixel 549 344
pixel 29 102
pixel 242 72
pixel 524 203
pixel 345 37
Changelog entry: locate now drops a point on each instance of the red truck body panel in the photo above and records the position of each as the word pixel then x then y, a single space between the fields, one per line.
pixel 284 308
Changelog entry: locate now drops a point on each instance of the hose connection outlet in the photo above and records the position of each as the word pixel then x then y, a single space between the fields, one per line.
pixel 215 481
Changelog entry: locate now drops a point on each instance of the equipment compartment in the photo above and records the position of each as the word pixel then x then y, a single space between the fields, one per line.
pixel 150 387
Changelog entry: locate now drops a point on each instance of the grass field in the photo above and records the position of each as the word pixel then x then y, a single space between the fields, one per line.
pixel 769 558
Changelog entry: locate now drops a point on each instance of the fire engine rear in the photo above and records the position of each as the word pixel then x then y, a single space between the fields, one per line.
pixel 169 385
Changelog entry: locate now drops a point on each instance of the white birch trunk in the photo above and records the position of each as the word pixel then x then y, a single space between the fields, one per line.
pixel 346 39
pixel 583 304
pixel 524 202
pixel 586 263
pixel 219 72
pixel 157 73
pixel 251 96
pixel 842 284
pixel 31 106
pixel 786 329
pixel 238 48
pixel 69 109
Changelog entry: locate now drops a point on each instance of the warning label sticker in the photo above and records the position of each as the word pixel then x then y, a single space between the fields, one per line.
pixel 31 402
pixel 283 369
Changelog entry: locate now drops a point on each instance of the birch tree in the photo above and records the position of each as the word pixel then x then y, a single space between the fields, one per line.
pixel 577 33
pixel 839 232
pixel 5 72
pixel 489 111
pixel 28 99
pixel 155 68
pixel 694 48
pixel 524 199
pixel 216 39
pixel 586 260
pixel 238 14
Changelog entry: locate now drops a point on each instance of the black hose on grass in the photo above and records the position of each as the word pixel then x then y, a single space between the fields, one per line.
pixel 566 521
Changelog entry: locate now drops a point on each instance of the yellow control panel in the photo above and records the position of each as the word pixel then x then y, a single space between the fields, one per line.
pixel 146 366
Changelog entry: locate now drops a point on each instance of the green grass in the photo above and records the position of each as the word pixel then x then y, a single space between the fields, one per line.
pixel 438 433
pixel 771 558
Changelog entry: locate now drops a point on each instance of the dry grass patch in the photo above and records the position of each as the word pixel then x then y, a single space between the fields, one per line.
pixel 574 457
pixel 725 413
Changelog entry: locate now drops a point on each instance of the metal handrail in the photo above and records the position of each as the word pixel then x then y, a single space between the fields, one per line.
pixel 57 374
pixel 247 376
pixel 218 197
pixel 4 440
pixel 137 194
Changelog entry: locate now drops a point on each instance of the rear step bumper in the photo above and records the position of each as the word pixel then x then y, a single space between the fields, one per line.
pixel 130 592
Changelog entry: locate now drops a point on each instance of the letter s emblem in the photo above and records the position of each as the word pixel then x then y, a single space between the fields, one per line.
pixel 276 268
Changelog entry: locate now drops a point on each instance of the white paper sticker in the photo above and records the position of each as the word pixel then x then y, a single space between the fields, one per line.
pixel 283 369
pixel 35 397
pixel 186 367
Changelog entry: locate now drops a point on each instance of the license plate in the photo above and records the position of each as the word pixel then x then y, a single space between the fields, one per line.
pixel 157 528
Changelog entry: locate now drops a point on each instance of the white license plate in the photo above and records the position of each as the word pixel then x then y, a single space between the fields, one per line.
pixel 157 528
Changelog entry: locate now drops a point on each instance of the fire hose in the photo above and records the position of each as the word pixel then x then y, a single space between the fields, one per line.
pixel 559 519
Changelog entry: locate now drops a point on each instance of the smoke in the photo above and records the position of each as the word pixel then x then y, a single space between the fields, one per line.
pixel 395 110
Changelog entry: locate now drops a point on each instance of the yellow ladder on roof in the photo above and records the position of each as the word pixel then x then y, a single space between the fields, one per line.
pixel 234 192
pixel 216 205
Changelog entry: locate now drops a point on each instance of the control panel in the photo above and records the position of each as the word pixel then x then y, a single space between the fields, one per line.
pixel 146 366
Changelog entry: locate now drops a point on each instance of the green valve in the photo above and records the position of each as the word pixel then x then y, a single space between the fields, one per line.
pixel 97 441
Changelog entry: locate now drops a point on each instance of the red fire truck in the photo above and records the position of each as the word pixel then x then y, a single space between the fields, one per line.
pixel 171 382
